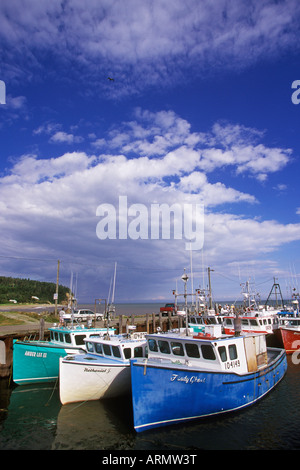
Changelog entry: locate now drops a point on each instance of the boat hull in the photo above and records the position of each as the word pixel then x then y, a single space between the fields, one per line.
pixel 84 380
pixel 164 394
pixel 290 339
pixel 37 361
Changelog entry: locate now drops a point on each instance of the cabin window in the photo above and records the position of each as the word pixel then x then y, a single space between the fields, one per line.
pixel 116 351
pixel 152 345
pixel 127 353
pixel 138 351
pixel 90 347
pixel 106 349
pixel 228 321
pixel 68 338
pixel 79 339
pixel 98 347
pixel 164 347
pixel 244 322
pixel 192 350
pixel 223 353
pixel 61 337
pixel 232 351
pixel 253 322
pixel 177 349
pixel 208 352
pixel 55 336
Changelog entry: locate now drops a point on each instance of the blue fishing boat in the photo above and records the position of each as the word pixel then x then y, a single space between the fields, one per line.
pixel 188 376
pixel 36 361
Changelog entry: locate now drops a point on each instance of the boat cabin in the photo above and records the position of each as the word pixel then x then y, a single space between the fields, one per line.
pixel 291 322
pixel 205 320
pixel 118 347
pixel 238 355
pixel 255 324
pixel 75 336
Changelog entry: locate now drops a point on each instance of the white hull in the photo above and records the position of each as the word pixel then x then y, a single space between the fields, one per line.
pixel 85 381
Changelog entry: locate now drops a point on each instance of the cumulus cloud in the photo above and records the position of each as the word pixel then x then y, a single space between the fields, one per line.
pixel 143 43
pixel 166 134
pixel 49 205
pixel 64 137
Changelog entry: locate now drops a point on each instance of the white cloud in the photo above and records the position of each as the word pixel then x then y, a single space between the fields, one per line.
pixel 49 205
pixel 63 137
pixel 141 43
pixel 16 102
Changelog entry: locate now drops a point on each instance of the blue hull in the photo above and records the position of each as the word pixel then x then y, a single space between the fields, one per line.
pixel 36 362
pixel 169 394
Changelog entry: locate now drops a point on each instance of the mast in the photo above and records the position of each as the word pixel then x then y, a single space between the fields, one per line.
pixel 209 287
pixel 56 291
pixel 275 287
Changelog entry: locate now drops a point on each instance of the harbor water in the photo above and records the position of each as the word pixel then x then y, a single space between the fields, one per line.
pixel 32 418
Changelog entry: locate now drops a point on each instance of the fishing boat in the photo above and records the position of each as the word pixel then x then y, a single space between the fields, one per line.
pixel 290 333
pixel 186 376
pixel 36 361
pixel 253 323
pixel 103 371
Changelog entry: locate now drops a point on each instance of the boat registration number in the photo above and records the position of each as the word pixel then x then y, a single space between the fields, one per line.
pixel 232 364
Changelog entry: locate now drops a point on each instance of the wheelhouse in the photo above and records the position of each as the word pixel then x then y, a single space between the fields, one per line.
pixel 218 354
pixel 118 348
pixel 252 324
pixel 290 322
pixel 205 320
pixel 75 336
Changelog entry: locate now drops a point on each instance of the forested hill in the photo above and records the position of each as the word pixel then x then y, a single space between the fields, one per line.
pixel 24 290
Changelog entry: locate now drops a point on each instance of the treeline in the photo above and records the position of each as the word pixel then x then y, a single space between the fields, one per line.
pixel 25 290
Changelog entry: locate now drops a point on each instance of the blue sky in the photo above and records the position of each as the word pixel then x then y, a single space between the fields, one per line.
pixel 199 111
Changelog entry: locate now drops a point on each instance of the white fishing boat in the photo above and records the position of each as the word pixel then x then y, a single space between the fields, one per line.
pixel 255 323
pixel 103 371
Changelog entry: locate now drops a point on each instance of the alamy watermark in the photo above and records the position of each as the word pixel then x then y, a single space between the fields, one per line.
pixel 296 94
pixel 2 92
pixel 155 222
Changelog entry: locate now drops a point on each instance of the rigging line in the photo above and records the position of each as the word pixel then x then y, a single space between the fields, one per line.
pixel 264 282
pixel 226 277
pixel 29 259
pixel 52 393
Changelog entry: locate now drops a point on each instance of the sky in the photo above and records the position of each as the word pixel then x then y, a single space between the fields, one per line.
pixel 111 110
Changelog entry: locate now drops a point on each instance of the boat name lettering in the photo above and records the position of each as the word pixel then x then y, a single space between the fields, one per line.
pixel 231 364
pixel 187 380
pixel 35 354
pixel 91 369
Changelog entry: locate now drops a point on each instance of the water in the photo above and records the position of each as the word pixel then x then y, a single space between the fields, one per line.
pixel 31 417
pixel 128 308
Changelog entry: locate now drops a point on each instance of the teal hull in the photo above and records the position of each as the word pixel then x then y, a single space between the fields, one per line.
pixel 37 361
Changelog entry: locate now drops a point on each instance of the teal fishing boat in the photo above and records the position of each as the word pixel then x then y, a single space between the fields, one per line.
pixel 36 361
